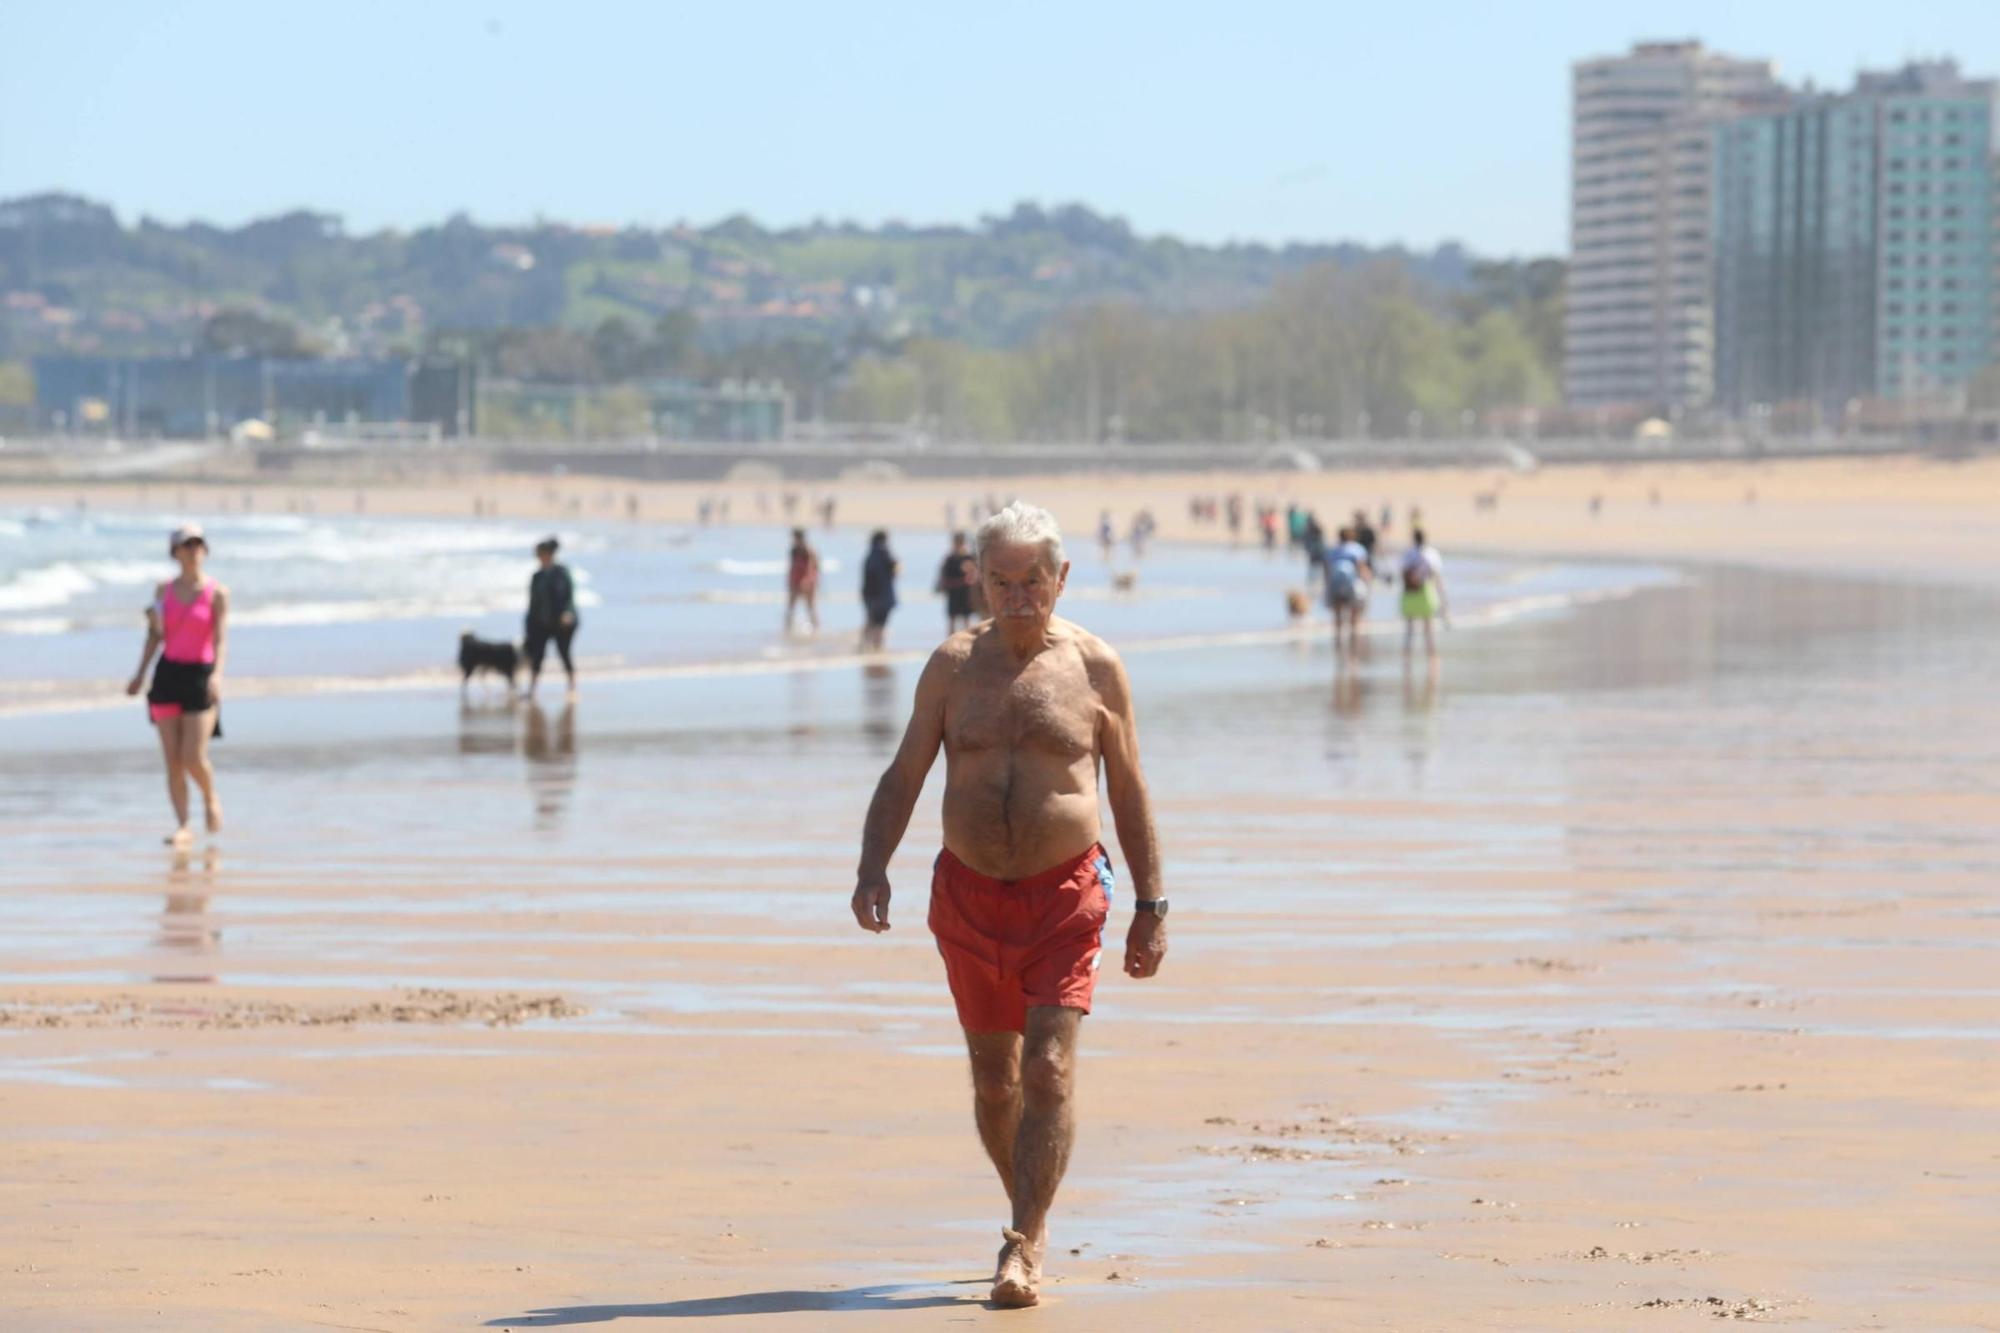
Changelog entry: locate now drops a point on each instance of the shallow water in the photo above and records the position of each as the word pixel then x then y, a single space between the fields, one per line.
pixel 324 603
pixel 664 845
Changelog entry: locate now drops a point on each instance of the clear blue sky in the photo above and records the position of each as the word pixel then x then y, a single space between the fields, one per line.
pixel 1415 122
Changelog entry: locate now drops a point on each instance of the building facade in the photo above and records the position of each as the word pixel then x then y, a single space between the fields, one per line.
pixel 1855 241
pixel 1639 320
pixel 197 397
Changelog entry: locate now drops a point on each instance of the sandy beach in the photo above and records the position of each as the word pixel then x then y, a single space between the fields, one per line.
pixel 1635 969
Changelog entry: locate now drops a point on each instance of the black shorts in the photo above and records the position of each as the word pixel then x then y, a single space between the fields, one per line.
pixel 878 613
pixel 182 686
pixel 958 601
pixel 537 646
pixel 183 683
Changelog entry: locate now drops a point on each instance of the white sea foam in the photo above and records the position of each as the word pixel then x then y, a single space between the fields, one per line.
pixel 36 625
pixel 66 581
pixel 71 696
pixel 765 569
pixel 43 587
pixel 390 608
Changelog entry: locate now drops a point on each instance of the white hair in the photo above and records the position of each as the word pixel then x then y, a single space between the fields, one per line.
pixel 1022 524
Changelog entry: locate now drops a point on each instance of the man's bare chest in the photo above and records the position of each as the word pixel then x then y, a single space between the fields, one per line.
pixel 1051 710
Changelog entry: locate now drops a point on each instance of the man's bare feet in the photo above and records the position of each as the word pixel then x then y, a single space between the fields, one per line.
pixel 1017 1274
pixel 180 837
pixel 214 812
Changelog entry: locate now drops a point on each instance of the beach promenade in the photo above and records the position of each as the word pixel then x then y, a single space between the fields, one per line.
pixel 1635 968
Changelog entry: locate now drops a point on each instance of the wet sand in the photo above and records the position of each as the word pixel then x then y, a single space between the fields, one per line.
pixel 1636 970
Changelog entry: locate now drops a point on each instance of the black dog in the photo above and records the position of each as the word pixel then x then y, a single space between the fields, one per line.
pixel 476 654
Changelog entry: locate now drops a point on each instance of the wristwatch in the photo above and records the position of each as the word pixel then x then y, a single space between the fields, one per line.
pixel 1151 906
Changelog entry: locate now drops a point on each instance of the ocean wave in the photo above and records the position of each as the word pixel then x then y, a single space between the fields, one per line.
pixel 47 586
pixel 764 569
pixel 821 655
pixel 65 581
pixel 740 597
pixel 36 625
pixel 389 608
pixel 12 528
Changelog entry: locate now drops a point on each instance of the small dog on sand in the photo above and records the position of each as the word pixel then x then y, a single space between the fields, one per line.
pixel 476 654
pixel 1125 581
pixel 1297 604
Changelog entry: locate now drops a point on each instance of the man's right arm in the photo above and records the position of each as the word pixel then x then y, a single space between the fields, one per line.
pixel 896 794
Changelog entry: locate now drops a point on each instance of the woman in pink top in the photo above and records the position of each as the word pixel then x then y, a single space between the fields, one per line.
pixel 187 620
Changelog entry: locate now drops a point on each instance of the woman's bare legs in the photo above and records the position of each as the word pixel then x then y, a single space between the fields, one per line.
pixel 195 729
pixel 177 787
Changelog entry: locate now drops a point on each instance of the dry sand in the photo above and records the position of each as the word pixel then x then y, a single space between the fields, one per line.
pixel 1686 1013
pixel 1905 515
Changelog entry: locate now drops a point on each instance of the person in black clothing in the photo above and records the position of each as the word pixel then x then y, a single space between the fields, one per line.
pixel 878 589
pixel 956 579
pixel 551 614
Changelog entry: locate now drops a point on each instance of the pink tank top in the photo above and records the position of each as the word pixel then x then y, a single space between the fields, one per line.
pixel 189 629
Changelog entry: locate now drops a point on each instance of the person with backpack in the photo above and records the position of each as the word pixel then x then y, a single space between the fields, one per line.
pixel 1348 576
pixel 1422 573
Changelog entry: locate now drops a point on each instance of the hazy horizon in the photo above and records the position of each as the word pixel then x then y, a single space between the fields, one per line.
pixel 1287 124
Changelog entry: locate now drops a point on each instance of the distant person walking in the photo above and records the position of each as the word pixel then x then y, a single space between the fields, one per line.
pixel 1348 576
pixel 1142 532
pixel 187 624
pixel 1314 541
pixel 1422 573
pixel 1107 535
pixel 802 581
pixel 878 590
pixel 551 614
pixel 955 580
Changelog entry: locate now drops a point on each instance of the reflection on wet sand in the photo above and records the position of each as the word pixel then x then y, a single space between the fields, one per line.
pixel 878 705
pixel 551 763
pixel 184 924
pixel 1420 724
pixel 486 728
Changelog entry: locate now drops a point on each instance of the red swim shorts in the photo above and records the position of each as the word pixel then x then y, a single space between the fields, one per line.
pixel 1011 944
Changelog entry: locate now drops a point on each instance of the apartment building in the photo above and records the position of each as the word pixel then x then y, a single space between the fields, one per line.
pixel 1639 322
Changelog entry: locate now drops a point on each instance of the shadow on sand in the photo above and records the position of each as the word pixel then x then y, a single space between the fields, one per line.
pixel 880 1298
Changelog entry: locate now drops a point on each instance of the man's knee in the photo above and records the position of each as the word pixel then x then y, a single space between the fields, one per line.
pixel 997 1085
pixel 1047 1071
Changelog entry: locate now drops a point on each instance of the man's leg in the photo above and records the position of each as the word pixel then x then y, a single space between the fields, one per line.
pixel 996 1097
pixel 1048 1118
pixel 1042 1138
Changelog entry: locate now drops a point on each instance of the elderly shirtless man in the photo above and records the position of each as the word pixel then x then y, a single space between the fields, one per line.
pixel 1026 706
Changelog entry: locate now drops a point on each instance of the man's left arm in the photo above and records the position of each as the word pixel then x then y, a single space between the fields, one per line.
pixel 1132 813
